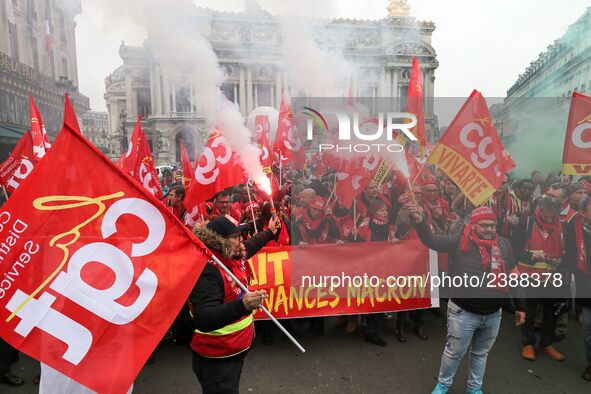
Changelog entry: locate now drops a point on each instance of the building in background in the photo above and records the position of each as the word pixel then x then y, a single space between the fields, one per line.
pixel 549 81
pixel 249 47
pixel 94 126
pixel 37 58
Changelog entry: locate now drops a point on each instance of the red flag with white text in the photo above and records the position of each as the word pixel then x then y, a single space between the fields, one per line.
pixel 40 139
pixel 471 152
pixel 138 161
pixel 19 164
pixel 218 168
pixel 288 142
pixel 97 269
pixel 576 158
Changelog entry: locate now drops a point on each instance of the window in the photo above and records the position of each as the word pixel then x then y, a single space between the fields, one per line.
pixel 13 41
pixel 144 104
pixel 52 64
pixel 228 91
pixel 183 103
pixel 35 53
pixel 264 95
pixel 65 67
pixel 62 22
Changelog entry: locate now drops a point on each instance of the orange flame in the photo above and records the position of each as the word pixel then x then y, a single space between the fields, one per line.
pixel 265 184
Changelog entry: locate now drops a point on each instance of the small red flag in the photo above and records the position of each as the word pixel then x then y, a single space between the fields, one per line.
pixel 19 164
pixel 186 163
pixel 576 158
pixel 40 139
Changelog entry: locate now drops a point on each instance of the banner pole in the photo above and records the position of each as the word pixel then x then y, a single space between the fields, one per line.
pixel 5 194
pixel 245 290
pixel 254 221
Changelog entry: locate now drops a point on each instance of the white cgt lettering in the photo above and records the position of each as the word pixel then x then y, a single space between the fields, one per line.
pixel 102 302
pixel 577 136
pixel 21 173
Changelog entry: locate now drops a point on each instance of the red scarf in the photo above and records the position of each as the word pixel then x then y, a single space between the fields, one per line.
pixel 313 225
pixel 502 212
pixel 546 237
pixel 581 249
pixel 492 258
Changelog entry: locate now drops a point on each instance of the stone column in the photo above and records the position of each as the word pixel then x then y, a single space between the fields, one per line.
pixel 242 99
pixel 173 93
pixel 249 94
pixel 157 104
pixel 166 92
pixel 279 88
pixel 192 94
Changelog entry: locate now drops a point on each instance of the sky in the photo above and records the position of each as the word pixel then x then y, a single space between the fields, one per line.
pixel 482 45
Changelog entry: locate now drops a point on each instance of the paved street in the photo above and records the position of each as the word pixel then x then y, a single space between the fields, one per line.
pixel 339 362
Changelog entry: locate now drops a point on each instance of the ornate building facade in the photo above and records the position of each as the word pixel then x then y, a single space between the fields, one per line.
pixel 248 45
pixel 549 81
pixel 94 126
pixel 37 58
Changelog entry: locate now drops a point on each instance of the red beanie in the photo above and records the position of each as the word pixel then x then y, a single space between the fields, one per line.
pixel 482 213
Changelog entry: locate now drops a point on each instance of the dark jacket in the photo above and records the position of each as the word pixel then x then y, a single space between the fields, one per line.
pixel 481 300
pixel 582 280
pixel 207 297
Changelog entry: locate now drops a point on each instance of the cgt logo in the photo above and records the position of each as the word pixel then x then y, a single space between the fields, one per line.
pixel 371 130
pixel 37 310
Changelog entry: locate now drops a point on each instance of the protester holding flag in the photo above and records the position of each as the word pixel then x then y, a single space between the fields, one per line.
pixel 221 312
pixel 523 196
pixel 474 313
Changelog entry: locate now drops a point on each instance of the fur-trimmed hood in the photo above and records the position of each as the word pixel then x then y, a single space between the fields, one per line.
pixel 213 240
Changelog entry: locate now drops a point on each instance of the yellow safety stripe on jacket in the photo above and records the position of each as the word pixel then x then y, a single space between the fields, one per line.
pixel 230 328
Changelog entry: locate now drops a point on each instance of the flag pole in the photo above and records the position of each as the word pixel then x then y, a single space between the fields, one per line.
pixel 5 194
pixel 355 216
pixel 245 290
pixel 254 222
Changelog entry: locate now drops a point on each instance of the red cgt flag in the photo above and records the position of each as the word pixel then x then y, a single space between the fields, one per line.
pixel 263 131
pixel 576 158
pixel 40 139
pixel 97 267
pixel 414 103
pixel 186 163
pixel 138 161
pixel 218 168
pixel 353 178
pixel 288 143
pixel 471 153
pixel 19 164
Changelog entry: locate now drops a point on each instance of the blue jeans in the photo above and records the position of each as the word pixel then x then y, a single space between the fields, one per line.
pixel 467 330
pixel 587 332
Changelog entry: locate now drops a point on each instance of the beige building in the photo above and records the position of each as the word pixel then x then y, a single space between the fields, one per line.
pixel 95 126
pixel 249 48
pixel 549 81
pixel 37 58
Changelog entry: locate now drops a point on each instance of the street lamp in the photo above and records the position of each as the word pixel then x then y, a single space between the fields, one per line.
pixel 122 119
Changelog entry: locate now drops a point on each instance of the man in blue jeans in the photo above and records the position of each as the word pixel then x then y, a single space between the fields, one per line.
pixel 474 312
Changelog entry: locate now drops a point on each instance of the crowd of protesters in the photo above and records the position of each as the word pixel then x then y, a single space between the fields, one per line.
pixel 534 225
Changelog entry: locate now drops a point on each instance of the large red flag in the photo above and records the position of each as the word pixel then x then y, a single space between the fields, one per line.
pixel 576 158
pixel 19 164
pixel 288 143
pixel 471 152
pixel 40 139
pixel 138 161
pixel 352 179
pixel 70 119
pixel 186 164
pixel 97 268
pixel 218 168
pixel 414 103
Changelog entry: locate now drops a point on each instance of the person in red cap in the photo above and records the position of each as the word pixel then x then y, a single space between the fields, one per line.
pixel 474 312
